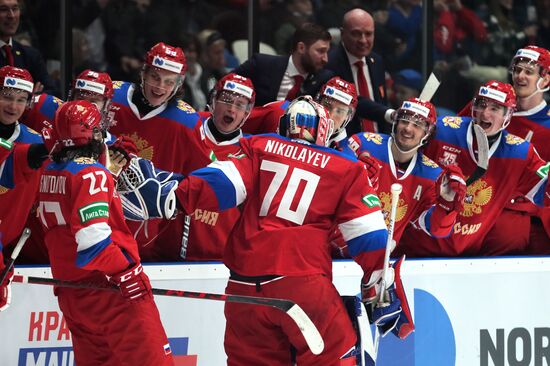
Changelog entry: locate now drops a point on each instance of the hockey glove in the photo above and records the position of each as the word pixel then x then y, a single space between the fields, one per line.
pixel 143 196
pixel 393 313
pixel 451 189
pixel 5 291
pixel 36 155
pixel 134 284
pixel 126 146
pixel 372 167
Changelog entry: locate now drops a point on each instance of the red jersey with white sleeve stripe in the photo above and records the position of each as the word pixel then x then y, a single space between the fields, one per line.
pixel 292 194
pixel 417 200
pixel 514 166
pixel 83 221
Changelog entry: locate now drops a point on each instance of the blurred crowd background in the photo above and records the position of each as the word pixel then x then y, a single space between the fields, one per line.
pixel 473 41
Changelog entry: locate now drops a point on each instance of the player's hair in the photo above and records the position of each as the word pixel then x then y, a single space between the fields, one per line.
pixel 91 150
pixel 309 33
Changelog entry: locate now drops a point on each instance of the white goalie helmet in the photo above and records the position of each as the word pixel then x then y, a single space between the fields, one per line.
pixel 309 121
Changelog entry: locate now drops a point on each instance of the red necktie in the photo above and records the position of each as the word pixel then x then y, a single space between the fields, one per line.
pixel 366 125
pixel 9 55
pixel 293 92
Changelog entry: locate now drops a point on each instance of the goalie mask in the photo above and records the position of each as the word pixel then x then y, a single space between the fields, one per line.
pixel 16 84
pixel 309 121
pixel 162 74
pixel 95 87
pixel 77 123
pixel 340 99
pixel 232 99
pixel 493 106
pixel 421 115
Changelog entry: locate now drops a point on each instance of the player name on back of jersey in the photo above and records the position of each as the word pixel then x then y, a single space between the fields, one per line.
pixel 295 152
pixel 52 184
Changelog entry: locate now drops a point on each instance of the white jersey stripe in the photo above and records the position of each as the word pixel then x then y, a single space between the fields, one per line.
pixel 232 173
pixel 362 225
pixel 88 236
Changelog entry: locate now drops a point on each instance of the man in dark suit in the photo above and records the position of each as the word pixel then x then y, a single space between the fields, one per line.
pixel 14 53
pixel 354 61
pixel 282 77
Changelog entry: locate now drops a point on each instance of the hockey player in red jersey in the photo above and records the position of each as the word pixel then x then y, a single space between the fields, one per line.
pixel 513 166
pixel 202 235
pixel 160 124
pixel 19 175
pixel 520 221
pixel 292 191
pixel 88 241
pixel 431 197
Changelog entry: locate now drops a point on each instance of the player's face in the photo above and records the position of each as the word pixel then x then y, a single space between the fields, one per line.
pixel 230 110
pixel 159 85
pixel 409 132
pixel 96 99
pixel 316 56
pixel 524 78
pixel 338 111
pixel 9 18
pixel 358 35
pixel 12 105
pixel 489 115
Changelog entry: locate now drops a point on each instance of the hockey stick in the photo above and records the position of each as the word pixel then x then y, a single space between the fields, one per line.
pixel 431 86
pixel 482 154
pixel 24 236
pixel 396 190
pixel 307 328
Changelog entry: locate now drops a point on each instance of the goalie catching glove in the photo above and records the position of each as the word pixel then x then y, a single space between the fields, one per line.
pixel 393 314
pixel 145 192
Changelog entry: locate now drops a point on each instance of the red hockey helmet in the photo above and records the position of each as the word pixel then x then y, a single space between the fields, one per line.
pixel 532 55
pixel 234 84
pixel 90 81
pixel 497 92
pixel 76 122
pixel 308 120
pixel 167 58
pixel 339 90
pixel 16 78
pixel 415 110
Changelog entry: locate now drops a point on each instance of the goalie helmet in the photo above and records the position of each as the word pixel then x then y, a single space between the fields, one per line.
pixel 337 89
pixel 309 121
pixel 89 81
pixel 77 122
pixel 532 55
pixel 16 78
pixel 167 58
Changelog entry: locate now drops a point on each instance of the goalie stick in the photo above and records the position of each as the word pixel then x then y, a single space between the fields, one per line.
pixel 430 88
pixel 24 236
pixel 294 311
pixel 396 190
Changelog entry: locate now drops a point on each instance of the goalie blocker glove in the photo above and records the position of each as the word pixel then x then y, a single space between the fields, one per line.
pixel 147 193
pixel 392 315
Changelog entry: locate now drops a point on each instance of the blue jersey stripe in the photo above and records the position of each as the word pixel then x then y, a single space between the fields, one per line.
pixel 222 186
pixel 87 255
pixel 368 242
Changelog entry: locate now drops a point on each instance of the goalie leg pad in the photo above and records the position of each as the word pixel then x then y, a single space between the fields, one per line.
pixel 405 325
pixel 363 351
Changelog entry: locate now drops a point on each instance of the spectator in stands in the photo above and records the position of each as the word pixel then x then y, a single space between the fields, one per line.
pixel 284 77
pixel 192 91
pixel 213 60
pixel 354 61
pixel 15 54
pixel 405 23
pixel 297 13
pixel 407 84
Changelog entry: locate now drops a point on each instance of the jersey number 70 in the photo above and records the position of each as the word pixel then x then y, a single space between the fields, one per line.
pixel 297 175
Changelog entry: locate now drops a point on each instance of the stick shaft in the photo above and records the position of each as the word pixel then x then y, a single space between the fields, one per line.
pixel 307 328
pixel 24 236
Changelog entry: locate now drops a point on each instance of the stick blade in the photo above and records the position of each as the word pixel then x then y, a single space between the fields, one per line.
pixel 309 331
pixel 430 88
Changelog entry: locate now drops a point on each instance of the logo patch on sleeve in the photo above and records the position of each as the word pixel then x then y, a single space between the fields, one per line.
pixel 543 170
pixel 371 200
pixel 93 211
pixel 6 144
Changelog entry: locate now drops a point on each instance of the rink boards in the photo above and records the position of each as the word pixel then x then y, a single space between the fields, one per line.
pixel 467 312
